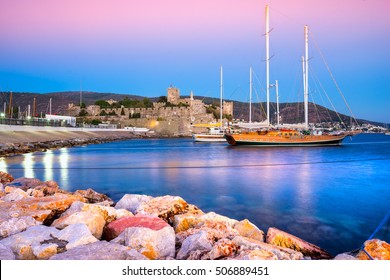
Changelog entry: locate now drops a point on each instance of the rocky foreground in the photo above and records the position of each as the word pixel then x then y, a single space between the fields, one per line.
pixel 38 220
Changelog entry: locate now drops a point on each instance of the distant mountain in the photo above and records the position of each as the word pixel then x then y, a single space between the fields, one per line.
pixel 289 112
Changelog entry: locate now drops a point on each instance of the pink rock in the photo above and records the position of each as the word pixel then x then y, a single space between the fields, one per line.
pixel 115 228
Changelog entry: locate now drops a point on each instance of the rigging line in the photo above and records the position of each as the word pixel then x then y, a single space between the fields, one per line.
pixel 334 80
pixel 316 82
pixel 202 167
pixel 327 96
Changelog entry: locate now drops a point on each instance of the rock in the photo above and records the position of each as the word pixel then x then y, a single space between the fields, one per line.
pixel 14 194
pixel 109 214
pixel 345 256
pixel 154 242
pixel 25 183
pixel 257 254
pixel 196 242
pixel 131 202
pixel 286 240
pixel 45 251
pixel 48 188
pixel 94 221
pixel 1 187
pixel 378 250
pixel 134 255
pixel 15 225
pixel 41 209
pixel 182 222
pixel 21 243
pixel 100 250
pixel 6 253
pixel 115 228
pixel 76 235
pixel 5 177
pixel 164 207
pixel 94 197
pixel 222 248
pixel 280 253
pixel 247 229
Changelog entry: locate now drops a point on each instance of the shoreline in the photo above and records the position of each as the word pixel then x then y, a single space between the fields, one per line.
pixel 21 142
pixel 39 220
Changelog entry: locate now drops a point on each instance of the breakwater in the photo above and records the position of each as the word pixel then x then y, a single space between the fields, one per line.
pixel 39 220
pixel 20 142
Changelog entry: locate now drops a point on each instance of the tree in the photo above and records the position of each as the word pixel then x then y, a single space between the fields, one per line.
pixel 83 113
pixel 102 104
pixel 103 113
pixel 96 122
pixel 163 99
pixel 122 112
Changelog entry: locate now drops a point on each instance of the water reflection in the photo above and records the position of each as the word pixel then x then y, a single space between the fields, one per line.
pixel 48 164
pixel 63 159
pixel 3 165
pixel 28 165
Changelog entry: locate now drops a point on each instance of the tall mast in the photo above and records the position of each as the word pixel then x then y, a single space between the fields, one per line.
pixel 250 94
pixel 221 95
pixel 10 113
pixel 50 106
pixel 277 101
pixel 306 77
pixel 267 56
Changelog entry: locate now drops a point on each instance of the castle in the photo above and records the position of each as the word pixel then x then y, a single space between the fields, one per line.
pixel 176 117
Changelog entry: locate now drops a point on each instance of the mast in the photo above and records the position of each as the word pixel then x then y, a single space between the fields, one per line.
pixel 277 101
pixel 50 106
pixel 267 57
pixel 221 95
pixel 306 77
pixel 250 94
pixel 34 107
pixel 10 113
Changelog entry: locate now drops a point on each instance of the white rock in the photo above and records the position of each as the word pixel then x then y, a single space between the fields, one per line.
pixel 6 253
pixel 44 251
pixel 76 235
pixel 15 225
pixel 15 195
pixel 198 241
pixel 131 202
pixel 154 244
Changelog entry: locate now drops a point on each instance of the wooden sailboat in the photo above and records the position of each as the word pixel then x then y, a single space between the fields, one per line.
pixel 215 134
pixel 286 137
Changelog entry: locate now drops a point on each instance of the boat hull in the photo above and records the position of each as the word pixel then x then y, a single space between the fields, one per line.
pixel 208 138
pixel 266 141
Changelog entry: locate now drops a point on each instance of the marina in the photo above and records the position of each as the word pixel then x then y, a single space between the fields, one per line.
pixel 333 197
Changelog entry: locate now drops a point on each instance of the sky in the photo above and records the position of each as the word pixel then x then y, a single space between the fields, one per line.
pixel 144 46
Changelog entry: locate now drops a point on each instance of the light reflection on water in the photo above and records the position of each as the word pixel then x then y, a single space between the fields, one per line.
pixel 328 196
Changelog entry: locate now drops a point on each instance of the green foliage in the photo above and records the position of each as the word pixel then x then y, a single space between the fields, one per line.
pixel 160 119
pixel 228 117
pixel 96 122
pixel 83 113
pixel 163 99
pixel 122 112
pixel 102 104
pixel 82 106
pixel 103 113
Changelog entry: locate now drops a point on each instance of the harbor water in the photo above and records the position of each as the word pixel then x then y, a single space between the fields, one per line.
pixel 334 197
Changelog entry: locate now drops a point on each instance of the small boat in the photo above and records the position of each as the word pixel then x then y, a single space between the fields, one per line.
pixel 286 137
pixel 215 134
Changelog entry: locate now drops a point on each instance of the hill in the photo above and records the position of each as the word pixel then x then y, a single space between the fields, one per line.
pixel 289 112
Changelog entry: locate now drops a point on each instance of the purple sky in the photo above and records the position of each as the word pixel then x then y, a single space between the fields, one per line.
pixel 142 47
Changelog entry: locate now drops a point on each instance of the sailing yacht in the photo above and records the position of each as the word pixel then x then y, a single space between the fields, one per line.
pixel 286 137
pixel 215 134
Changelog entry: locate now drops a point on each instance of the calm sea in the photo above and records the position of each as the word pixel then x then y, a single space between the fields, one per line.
pixel 334 197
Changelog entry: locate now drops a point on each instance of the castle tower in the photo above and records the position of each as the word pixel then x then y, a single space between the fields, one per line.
pixel 173 95
pixel 227 108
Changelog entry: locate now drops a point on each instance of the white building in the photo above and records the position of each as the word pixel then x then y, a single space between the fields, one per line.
pixel 69 120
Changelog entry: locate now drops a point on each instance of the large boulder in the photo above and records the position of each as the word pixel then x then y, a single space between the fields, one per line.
pixel 25 183
pixel 14 194
pixel 246 229
pixel 196 242
pixel 164 207
pixel 100 250
pixel 15 225
pixel 94 197
pixel 6 253
pixel 286 240
pixel 5 178
pixel 131 202
pixel 150 236
pixel 377 249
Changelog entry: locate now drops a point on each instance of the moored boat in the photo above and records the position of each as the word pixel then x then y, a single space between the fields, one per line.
pixel 286 137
